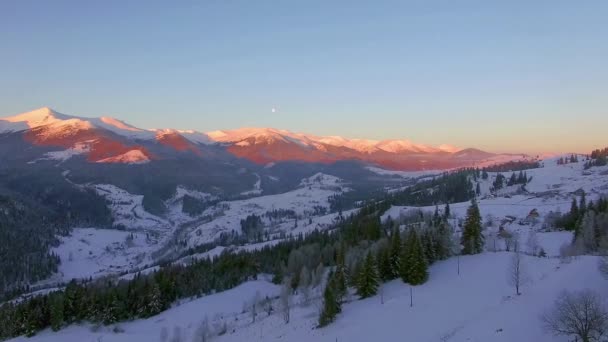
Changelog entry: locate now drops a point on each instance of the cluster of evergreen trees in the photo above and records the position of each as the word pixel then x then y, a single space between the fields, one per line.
pixel 397 254
pixel 36 206
pixel 599 153
pixel 516 178
pixel 26 235
pixel 590 224
pixel 597 158
pixel 447 188
pixel 517 165
pixel 253 227
pixel 572 159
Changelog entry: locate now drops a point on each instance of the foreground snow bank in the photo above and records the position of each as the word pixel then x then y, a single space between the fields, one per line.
pixel 476 305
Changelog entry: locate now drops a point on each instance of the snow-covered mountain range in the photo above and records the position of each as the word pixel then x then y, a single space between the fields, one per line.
pixel 109 140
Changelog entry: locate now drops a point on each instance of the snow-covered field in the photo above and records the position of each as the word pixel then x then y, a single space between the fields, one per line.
pixel 552 188
pixel 93 252
pixel 312 192
pixel 476 305
pixel 128 210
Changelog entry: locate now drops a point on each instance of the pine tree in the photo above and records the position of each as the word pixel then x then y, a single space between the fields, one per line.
pixel 384 264
pixel 436 217
pixel 339 278
pixel 574 215
pixel 395 253
pixel 472 237
pixel 428 244
pixel 478 190
pixel 512 180
pixel 154 303
pixel 331 305
pixel 446 211
pixel 414 267
pixel 56 312
pixel 582 207
pixel 367 284
pixel 443 240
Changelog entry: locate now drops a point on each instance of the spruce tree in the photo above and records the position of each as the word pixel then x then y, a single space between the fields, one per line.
pixel 384 264
pixel 512 180
pixel 56 312
pixel 478 190
pixel 331 305
pixel 443 240
pixel 367 284
pixel 446 211
pixel 574 215
pixel 414 267
pixel 472 237
pixel 339 278
pixel 428 244
pixel 395 252
pixel 582 207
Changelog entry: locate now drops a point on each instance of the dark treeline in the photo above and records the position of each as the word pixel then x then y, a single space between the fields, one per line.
pixel 500 181
pixel 447 188
pixel 35 208
pixel 518 165
pixel 597 158
pixel 567 160
pixel 26 236
pixel 588 217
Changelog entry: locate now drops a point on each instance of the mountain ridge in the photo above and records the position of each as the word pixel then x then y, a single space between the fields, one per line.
pixel 261 145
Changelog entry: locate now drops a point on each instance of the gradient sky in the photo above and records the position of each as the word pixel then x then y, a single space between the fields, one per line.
pixel 519 76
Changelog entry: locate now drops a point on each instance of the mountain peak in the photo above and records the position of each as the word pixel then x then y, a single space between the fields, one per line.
pixel 38 117
pixel 119 124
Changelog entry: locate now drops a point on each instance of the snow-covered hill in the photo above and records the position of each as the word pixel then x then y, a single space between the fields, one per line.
pixel 476 305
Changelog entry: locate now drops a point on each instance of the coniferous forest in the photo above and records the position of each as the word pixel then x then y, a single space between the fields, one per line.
pixel 360 249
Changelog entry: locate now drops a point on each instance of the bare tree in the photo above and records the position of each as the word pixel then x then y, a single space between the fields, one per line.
pixel 532 243
pixel 203 332
pixel 254 306
pixel 491 242
pixel 581 314
pixel 284 301
pixel 516 274
pixel 177 334
pixel 304 285
pixel 268 306
pixel 604 266
pixel 509 239
pixel 566 252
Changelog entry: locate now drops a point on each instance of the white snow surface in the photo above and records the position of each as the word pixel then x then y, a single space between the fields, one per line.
pixel 127 209
pixel 476 305
pixel 91 252
pixel 313 191
pixel 129 157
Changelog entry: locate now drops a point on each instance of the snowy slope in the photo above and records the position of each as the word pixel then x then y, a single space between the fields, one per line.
pixel 552 188
pixel 313 192
pixel 477 305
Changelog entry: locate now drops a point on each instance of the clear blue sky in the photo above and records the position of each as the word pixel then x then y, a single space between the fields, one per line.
pixel 500 75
